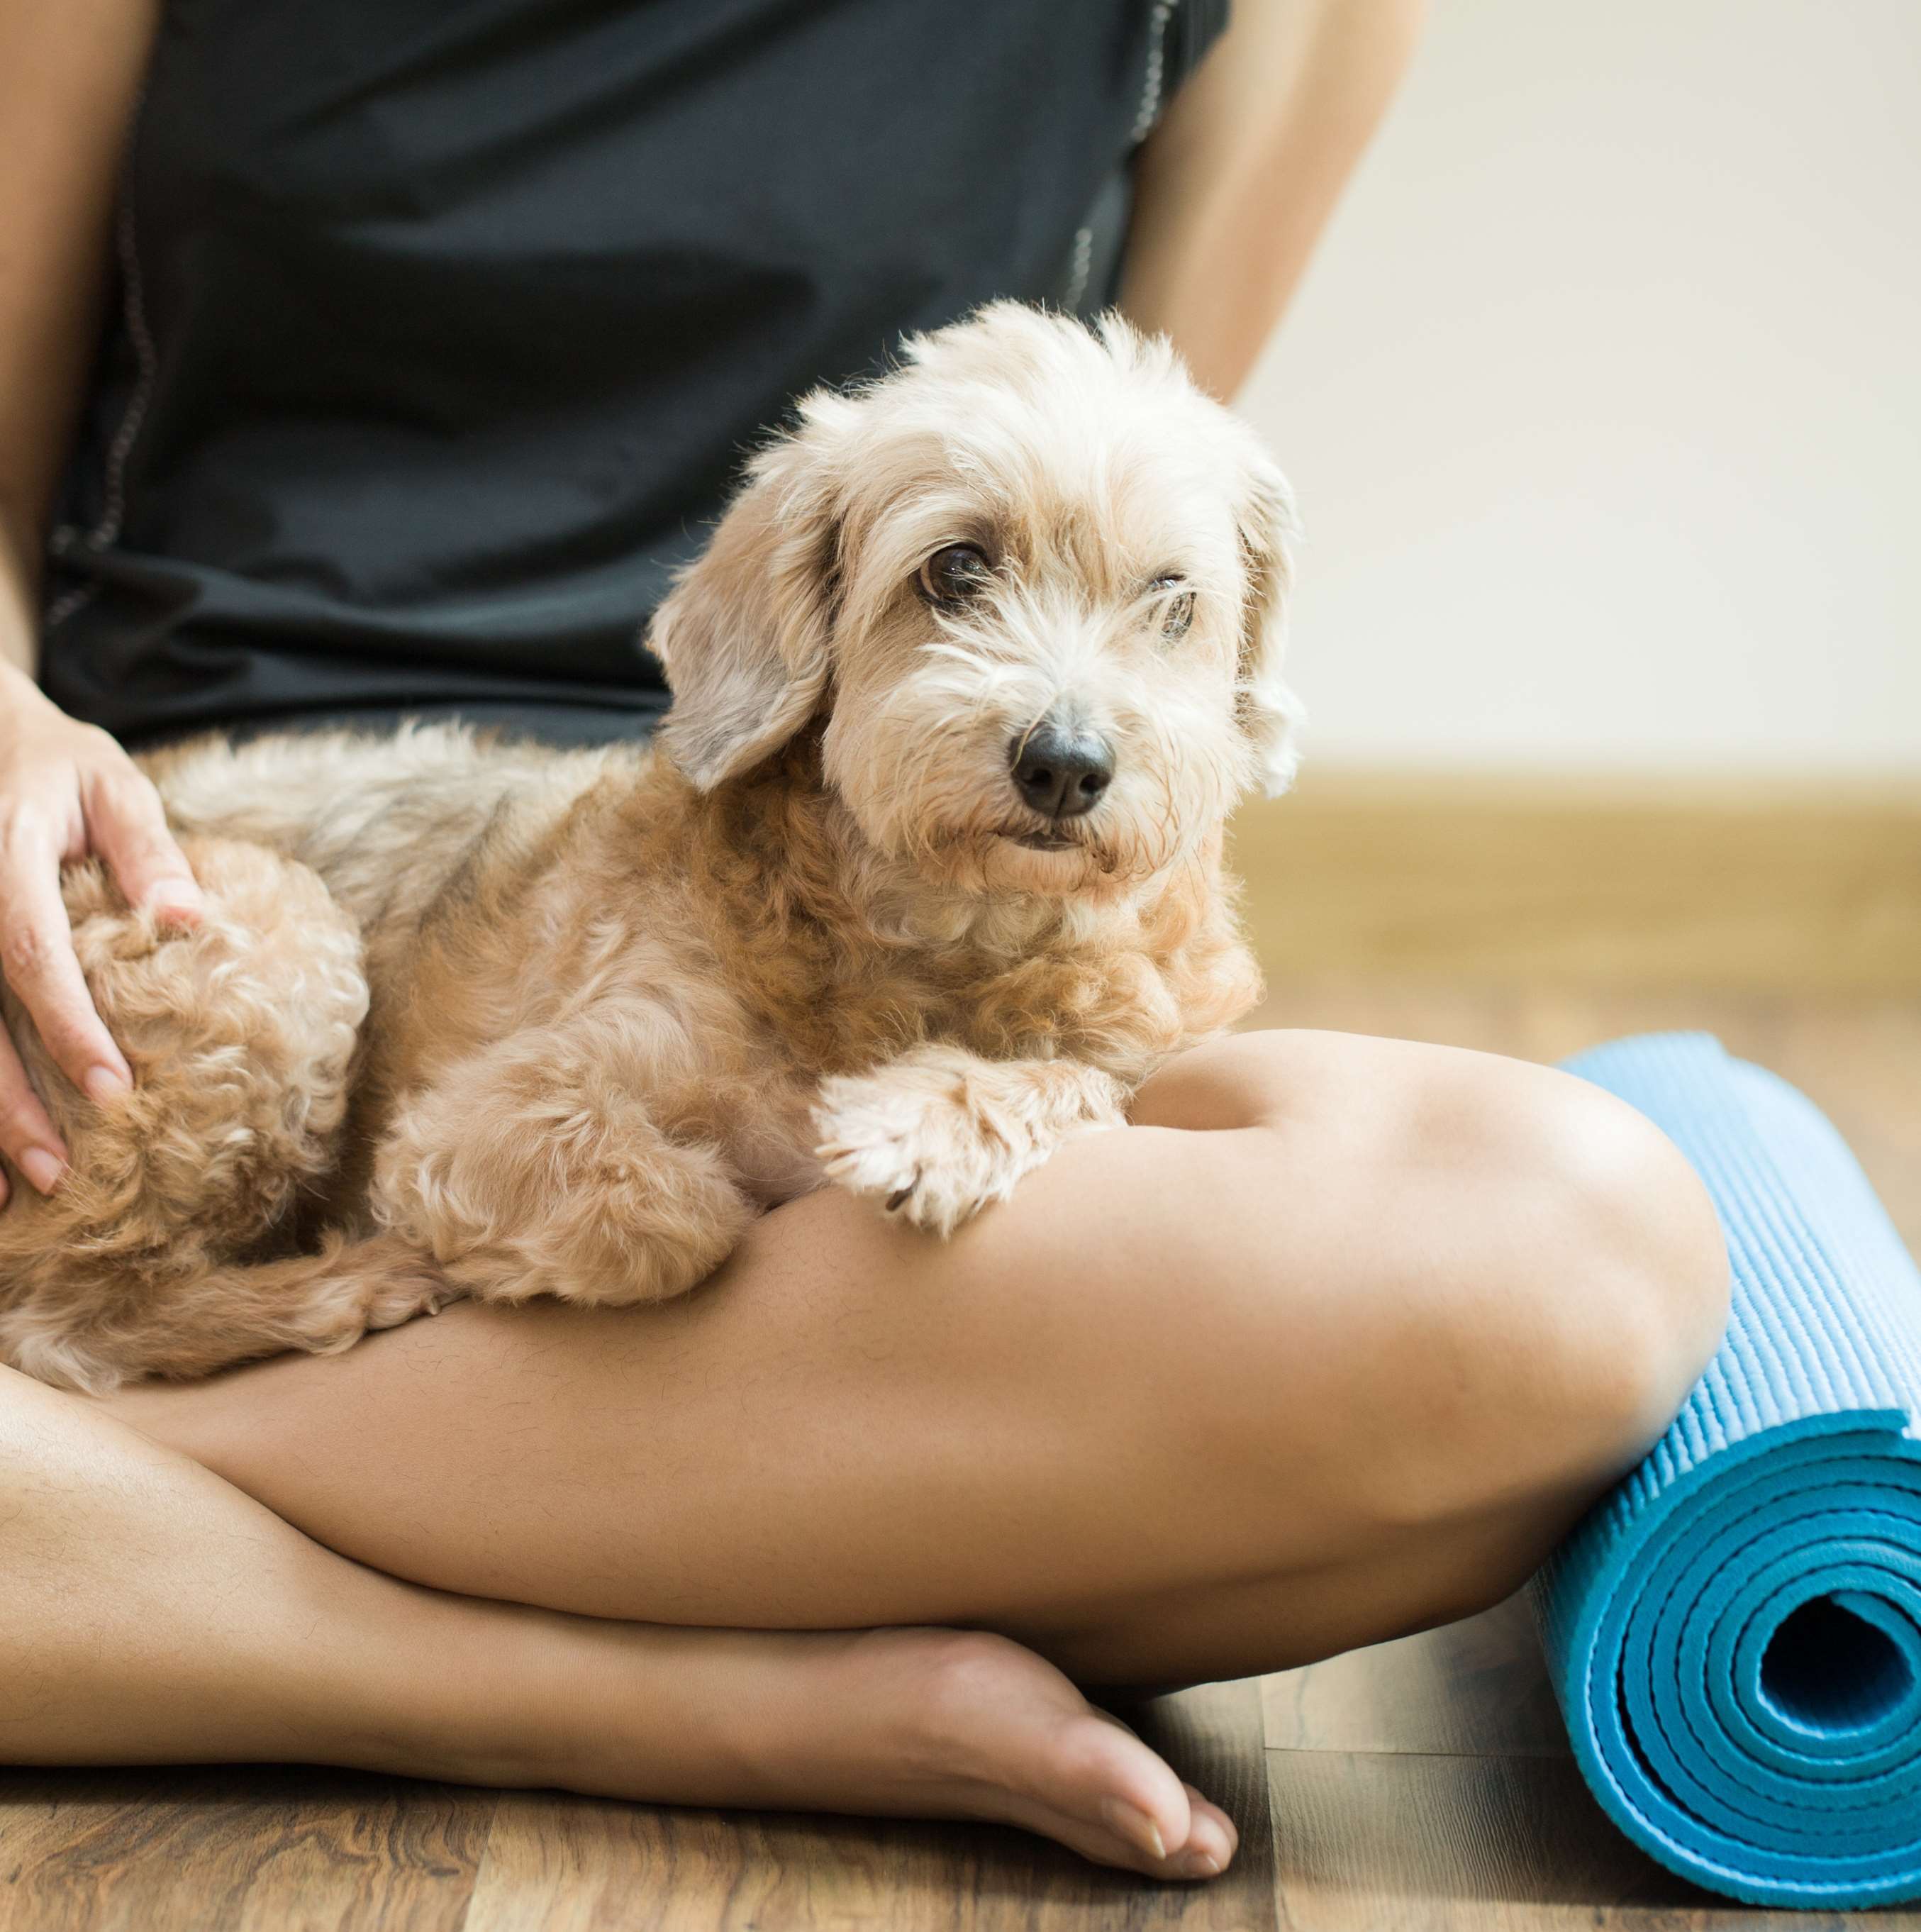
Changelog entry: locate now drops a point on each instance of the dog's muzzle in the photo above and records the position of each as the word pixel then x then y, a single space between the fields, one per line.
pixel 1060 773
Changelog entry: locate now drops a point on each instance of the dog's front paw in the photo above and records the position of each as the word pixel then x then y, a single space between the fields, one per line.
pixel 921 1152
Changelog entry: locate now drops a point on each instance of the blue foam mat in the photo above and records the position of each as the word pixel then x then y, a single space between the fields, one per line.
pixel 1734 1634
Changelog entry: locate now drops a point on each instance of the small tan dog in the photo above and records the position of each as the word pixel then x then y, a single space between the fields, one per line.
pixel 925 878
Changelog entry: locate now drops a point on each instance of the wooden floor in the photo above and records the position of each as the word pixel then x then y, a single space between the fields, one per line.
pixel 1424 1784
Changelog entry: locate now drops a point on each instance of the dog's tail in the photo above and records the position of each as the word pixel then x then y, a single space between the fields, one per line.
pixel 189 1322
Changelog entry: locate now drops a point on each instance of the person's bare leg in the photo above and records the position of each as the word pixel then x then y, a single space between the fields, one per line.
pixel 149 1612
pixel 1194 1403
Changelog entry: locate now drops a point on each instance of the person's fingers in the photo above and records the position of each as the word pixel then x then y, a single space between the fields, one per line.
pixel 128 825
pixel 37 956
pixel 26 1134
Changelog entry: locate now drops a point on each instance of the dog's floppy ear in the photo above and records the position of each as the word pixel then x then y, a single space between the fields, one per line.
pixel 1270 714
pixel 744 634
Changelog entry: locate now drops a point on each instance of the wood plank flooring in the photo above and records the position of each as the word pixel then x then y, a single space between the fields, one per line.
pixel 1424 1784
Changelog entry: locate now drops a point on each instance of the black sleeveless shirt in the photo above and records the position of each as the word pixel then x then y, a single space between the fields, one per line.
pixel 443 325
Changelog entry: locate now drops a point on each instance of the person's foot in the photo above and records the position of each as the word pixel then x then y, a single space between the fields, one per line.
pixel 966 1724
pixel 923 1723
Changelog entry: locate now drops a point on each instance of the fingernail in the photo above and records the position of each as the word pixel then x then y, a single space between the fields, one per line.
pixel 1198 1864
pixel 174 905
pixel 103 1084
pixel 1136 1827
pixel 42 1168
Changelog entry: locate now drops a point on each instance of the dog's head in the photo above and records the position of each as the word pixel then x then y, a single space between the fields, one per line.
pixel 1035 582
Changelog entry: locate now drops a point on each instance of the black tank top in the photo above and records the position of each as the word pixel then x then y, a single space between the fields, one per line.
pixel 443 325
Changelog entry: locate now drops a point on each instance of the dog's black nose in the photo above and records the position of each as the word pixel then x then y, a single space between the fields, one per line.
pixel 1062 773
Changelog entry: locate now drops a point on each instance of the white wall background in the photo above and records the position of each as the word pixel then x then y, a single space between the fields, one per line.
pixel 1603 398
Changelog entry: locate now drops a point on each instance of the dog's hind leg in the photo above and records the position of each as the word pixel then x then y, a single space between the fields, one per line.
pixel 537 1168
pixel 242 1032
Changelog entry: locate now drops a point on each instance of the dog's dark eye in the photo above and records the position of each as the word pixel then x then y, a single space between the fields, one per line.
pixel 955 573
pixel 1177 607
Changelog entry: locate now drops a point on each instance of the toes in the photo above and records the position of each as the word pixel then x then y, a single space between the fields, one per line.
pixel 1126 1839
pixel 1143 1811
pixel 1135 1828
pixel 1136 1841
pixel 877 1169
pixel 1212 1839
pixel 1005 1735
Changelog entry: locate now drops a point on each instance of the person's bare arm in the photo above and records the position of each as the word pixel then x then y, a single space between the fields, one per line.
pixel 1235 185
pixel 69 73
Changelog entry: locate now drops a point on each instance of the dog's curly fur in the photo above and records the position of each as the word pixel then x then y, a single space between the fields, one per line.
pixel 470 1018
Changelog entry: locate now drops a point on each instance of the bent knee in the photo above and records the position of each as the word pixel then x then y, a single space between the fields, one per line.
pixel 1605 1290
pixel 1524 1276
pixel 1638 1207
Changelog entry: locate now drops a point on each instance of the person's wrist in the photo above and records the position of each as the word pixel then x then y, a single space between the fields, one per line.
pixel 18 692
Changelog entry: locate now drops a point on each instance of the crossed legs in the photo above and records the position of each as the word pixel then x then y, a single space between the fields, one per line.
pixel 1333 1342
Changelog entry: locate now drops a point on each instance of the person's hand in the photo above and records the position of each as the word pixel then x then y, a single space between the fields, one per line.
pixel 67 790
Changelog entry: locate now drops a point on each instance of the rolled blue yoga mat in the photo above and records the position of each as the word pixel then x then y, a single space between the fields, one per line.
pixel 1734 1634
